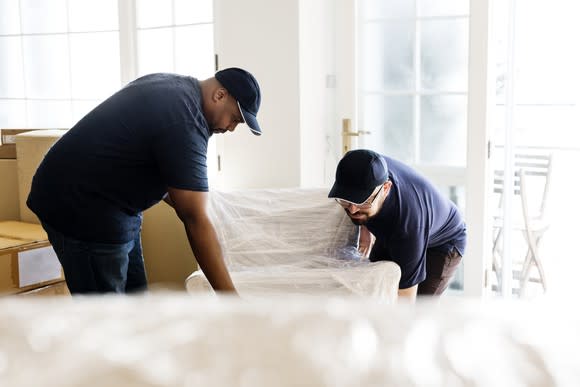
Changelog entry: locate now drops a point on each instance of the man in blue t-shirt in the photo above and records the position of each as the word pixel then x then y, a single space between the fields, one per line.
pixel 145 143
pixel 413 223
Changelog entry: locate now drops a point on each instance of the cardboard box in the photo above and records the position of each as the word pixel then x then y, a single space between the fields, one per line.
pixel 27 260
pixel 7 136
pixel 8 142
pixel 8 151
pixel 57 289
pixel 30 150
pixel 9 204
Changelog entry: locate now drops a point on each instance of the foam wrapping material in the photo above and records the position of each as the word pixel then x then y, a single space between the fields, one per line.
pixel 30 150
pixel 293 241
pixel 183 340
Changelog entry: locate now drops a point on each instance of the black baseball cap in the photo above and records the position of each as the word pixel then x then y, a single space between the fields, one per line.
pixel 245 89
pixel 358 174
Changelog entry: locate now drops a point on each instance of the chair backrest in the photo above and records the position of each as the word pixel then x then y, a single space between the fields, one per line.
pixel 524 193
pixel 298 227
pixel 537 167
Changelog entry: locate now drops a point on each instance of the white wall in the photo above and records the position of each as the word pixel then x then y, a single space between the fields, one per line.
pixel 261 36
pixel 317 88
pixel 291 47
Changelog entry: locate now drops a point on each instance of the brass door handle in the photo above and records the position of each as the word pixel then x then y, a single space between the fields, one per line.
pixel 349 136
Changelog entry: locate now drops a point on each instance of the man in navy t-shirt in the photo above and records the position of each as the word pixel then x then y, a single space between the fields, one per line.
pixel 413 223
pixel 145 143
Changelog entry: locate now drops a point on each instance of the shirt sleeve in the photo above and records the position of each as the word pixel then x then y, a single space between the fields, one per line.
pixel 180 151
pixel 410 254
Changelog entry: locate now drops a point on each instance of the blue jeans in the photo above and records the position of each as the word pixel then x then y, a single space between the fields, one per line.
pixel 91 267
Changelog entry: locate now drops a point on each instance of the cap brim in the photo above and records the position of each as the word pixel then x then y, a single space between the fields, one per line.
pixel 351 194
pixel 251 121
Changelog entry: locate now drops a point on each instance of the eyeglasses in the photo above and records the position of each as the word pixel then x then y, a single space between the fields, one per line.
pixel 364 205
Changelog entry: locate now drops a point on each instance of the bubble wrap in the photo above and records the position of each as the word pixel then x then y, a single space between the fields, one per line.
pixel 169 339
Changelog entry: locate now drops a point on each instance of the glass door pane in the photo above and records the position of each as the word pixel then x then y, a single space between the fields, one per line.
pixel 537 148
pixel 389 119
pixel 444 52
pixel 443 132
pixel 387 56
pixel 412 97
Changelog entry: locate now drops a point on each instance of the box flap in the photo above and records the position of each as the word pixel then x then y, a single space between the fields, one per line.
pixel 29 232
pixel 6 243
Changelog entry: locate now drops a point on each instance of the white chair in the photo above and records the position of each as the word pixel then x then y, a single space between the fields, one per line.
pixel 293 241
pixel 531 187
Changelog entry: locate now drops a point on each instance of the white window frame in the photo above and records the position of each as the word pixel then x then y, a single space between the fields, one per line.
pixel 128 39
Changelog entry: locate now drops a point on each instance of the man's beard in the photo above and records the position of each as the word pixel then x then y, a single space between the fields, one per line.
pixel 358 222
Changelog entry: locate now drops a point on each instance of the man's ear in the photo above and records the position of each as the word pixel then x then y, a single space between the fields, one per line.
pixel 219 94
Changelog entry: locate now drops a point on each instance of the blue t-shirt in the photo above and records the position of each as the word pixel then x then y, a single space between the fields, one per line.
pixel 120 159
pixel 415 217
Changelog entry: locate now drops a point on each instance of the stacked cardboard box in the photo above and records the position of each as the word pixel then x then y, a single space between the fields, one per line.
pixel 27 260
pixel 30 150
pixel 8 142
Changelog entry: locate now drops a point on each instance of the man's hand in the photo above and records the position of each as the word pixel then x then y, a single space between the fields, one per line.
pixel 365 241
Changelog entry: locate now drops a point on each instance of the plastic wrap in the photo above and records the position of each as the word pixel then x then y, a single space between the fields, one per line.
pixel 293 241
pixel 182 340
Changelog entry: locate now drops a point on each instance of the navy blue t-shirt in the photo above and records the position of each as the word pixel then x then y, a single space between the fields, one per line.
pixel 415 217
pixel 120 158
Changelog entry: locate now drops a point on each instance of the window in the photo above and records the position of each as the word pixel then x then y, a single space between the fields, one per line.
pixel 175 36
pixel 412 93
pixel 61 58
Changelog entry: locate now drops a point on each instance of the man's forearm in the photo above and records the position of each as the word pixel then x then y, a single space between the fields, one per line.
pixel 408 294
pixel 190 206
pixel 209 256
pixel 365 241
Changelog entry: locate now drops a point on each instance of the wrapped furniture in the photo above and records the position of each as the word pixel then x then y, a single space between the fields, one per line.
pixel 293 241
